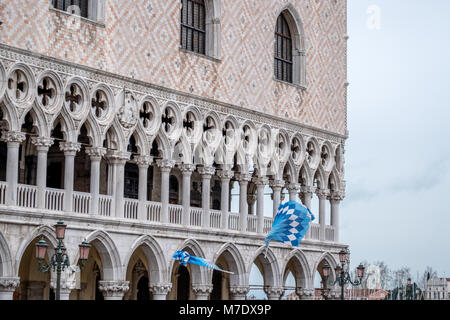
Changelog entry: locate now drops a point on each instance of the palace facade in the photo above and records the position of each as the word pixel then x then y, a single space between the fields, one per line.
pixel 138 123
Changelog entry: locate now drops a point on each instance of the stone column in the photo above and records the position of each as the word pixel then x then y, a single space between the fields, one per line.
pixel 206 172
pixel 261 183
pixel 243 206
pixel 42 146
pixel 117 162
pixel 239 292
pixel 95 155
pixel 160 290
pixel 225 176
pixel 186 170
pixel 202 291
pixel 113 290
pixel 306 197
pixel 274 293
pixel 335 200
pixel 70 149
pixel 65 288
pixel 143 162
pixel 293 189
pixel 277 186
pixel 7 287
pixel 251 200
pixel 13 139
pixel 305 294
pixel 322 195
pixel 165 167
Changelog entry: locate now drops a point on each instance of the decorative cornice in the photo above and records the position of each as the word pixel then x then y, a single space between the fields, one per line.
pixel 118 81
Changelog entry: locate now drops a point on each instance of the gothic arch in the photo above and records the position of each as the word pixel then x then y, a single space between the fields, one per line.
pixel 6 263
pixel 301 271
pixel 268 266
pixel 198 275
pixel 43 231
pixel 326 256
pixel 112 267
pixel 234 259
pixel 155 256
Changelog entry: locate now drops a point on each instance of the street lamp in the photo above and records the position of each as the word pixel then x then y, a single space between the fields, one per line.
pixel 342 276
pixel 60 260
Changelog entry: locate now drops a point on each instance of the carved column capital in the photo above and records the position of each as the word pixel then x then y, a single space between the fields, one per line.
pixel 243 178
pixel 113 289
pixel 119 157
pixel 187 169
pixel 70 148
pixel 42 143
pixel 165 165
pixel 160 288
pixel 305 294
pixel 273 293
pixel 277 184
pixel 322 194
pixel 307 190
pixel 206 171
pixel 202 289
pixel 260 181
pixel 9 284
pixel 239 290
pixel 225 174
pixel 336 196
pixel 293 187
pixel 96 153
pixel 13 137
pixel 144 161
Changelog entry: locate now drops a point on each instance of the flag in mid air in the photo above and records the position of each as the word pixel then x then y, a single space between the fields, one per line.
pixel 186 258
pixel 290 224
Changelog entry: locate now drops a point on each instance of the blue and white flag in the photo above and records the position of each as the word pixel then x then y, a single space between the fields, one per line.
pixel 186 258
pixel 290 224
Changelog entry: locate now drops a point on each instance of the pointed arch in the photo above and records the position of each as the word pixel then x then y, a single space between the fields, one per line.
pixel 268 264
pixel 191 246
pixel 297 261
pixel 112 267
pixel 155 257
pixel 42 231
pixel 328 257
pixel 236 263
pixel 6 262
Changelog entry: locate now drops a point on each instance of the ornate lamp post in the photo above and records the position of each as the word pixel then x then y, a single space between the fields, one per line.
pixel 342 276
pixel 59 261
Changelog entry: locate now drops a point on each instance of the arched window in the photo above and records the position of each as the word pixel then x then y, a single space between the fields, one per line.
pixel 193 26
pixel 289 48
pixel 283 50
pixel 78 7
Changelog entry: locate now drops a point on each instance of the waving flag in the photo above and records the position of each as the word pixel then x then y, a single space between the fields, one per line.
pixel 186 258
pixel 290 224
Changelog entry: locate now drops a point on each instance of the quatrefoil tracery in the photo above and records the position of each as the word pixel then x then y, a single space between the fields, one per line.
pixel 18 85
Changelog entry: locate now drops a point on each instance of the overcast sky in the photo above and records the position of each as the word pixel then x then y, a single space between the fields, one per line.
pixel 398 153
